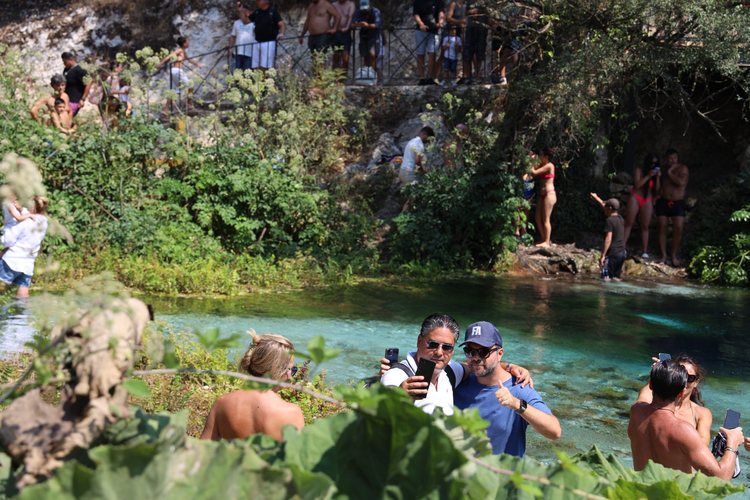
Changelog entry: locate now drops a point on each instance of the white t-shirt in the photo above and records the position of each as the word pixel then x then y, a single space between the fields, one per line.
pixel 451 44
pixel 414 148
pixel 23 242
pixel 440 396
pixel 243 34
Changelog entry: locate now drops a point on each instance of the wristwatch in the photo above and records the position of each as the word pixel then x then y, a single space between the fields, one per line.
pixel 522 407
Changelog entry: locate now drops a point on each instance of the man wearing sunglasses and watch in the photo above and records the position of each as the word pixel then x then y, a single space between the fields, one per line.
pixel 437 339
pixel 509 408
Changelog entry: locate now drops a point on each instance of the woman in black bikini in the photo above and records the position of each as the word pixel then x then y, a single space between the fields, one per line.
pixel 641 201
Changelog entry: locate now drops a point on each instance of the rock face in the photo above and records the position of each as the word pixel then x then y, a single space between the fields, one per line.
pixel 569 259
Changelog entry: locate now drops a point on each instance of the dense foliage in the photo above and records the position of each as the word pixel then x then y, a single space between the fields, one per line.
pixel 385 448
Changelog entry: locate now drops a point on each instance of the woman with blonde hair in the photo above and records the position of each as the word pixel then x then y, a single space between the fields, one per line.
pixel 240 414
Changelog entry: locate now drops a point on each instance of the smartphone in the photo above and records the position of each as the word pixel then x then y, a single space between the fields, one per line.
pixel 732 420
pixel 425 368
pixel 663 356
pixel 391 353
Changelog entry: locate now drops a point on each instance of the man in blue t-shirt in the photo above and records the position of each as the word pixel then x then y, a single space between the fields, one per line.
pixel 508 408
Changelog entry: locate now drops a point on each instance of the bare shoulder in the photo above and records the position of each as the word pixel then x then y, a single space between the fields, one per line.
pixel 702 412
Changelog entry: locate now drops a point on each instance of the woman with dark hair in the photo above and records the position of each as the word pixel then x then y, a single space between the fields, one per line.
pixel 240 414
pixel 178 79
pixel 545 171
pixel 646 183
pixel 690 409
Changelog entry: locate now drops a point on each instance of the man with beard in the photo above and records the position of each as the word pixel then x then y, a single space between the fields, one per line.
pixel 508 407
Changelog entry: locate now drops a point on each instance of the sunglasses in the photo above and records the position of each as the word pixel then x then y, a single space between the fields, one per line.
pixel 482 352
pixel 431 344
pixel 293 370
pixel 692 378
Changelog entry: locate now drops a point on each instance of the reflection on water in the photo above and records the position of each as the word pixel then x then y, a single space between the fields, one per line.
pixel 587 344
pixel 15 327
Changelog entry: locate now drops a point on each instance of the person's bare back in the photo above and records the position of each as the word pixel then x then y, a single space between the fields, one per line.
pixel 240 414
pixel 657 434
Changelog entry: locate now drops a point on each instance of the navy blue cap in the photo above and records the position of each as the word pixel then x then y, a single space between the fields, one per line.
pixel 483 333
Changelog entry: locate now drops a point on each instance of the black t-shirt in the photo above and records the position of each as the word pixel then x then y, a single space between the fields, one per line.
pixel 429 12
pixel 616 225
pixel 74 85
pixel 266 24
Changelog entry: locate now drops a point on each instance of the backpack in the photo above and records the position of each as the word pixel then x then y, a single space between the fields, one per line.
pixel 404 367
pixel 365 76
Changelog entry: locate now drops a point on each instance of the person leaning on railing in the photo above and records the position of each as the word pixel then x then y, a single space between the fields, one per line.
pixel 242 39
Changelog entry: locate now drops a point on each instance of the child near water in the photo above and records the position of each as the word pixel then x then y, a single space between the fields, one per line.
pixel 13 213
pixel 613 247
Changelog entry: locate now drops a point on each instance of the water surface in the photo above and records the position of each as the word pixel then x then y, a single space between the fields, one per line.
pixel 587 344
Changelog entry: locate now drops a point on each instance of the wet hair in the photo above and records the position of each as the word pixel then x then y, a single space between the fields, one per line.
pixel 648 161
pixel 671 151
pixel 438 320
pixel 58 101
pixel 668 379
pixel 181 41
pixel 57 80
pixel 268 355
pixel 696 396
pixel 68 56
pixel 428 131
pixel 40 204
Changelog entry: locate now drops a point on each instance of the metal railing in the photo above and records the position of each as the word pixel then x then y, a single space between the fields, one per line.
pixel 395 65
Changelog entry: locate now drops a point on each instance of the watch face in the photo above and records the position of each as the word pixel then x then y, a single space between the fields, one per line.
pixel 522 407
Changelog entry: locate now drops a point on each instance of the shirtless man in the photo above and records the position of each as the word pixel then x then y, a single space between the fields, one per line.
pixel 657 434
pixel 671 204
pixel 321 22
pixel 240 414
pixel 58 91
pixel 61 118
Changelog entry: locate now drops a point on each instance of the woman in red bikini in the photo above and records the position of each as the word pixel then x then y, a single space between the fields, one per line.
pixel 545 171
pixel 646 182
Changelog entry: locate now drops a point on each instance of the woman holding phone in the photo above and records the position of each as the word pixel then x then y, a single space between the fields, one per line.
pixel 691 409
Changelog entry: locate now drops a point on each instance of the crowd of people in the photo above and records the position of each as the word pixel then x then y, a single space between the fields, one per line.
pixel 668 424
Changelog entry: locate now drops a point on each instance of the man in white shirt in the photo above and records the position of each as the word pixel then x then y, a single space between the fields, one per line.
pixel 242 39
pixel 436 342
pixel 414 156
pixel 23 242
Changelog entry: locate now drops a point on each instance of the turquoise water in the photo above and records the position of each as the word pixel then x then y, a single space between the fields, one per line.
pixel 588 345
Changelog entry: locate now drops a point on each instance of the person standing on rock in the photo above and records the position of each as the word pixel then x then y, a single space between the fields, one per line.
pixel 414 159
pixel 429 16
pixel 613 248
pixel 77 82
pixel 545 172
pixel 342 39
pixel 671 205
pixel 369 21
pixel 646 183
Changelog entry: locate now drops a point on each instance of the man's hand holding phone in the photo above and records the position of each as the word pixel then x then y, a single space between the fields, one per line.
pixel 734 436
pixel 415 386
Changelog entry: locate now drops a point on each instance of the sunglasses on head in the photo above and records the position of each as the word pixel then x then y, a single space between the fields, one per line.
pixel 431 344
pixel 692 378
pixel 482 352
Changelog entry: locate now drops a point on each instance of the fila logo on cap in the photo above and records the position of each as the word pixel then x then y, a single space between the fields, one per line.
pixel 477 330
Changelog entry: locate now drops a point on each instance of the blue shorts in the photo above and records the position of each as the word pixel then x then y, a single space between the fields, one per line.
pixel 11 277
pixel 426 42
pixel 450 64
